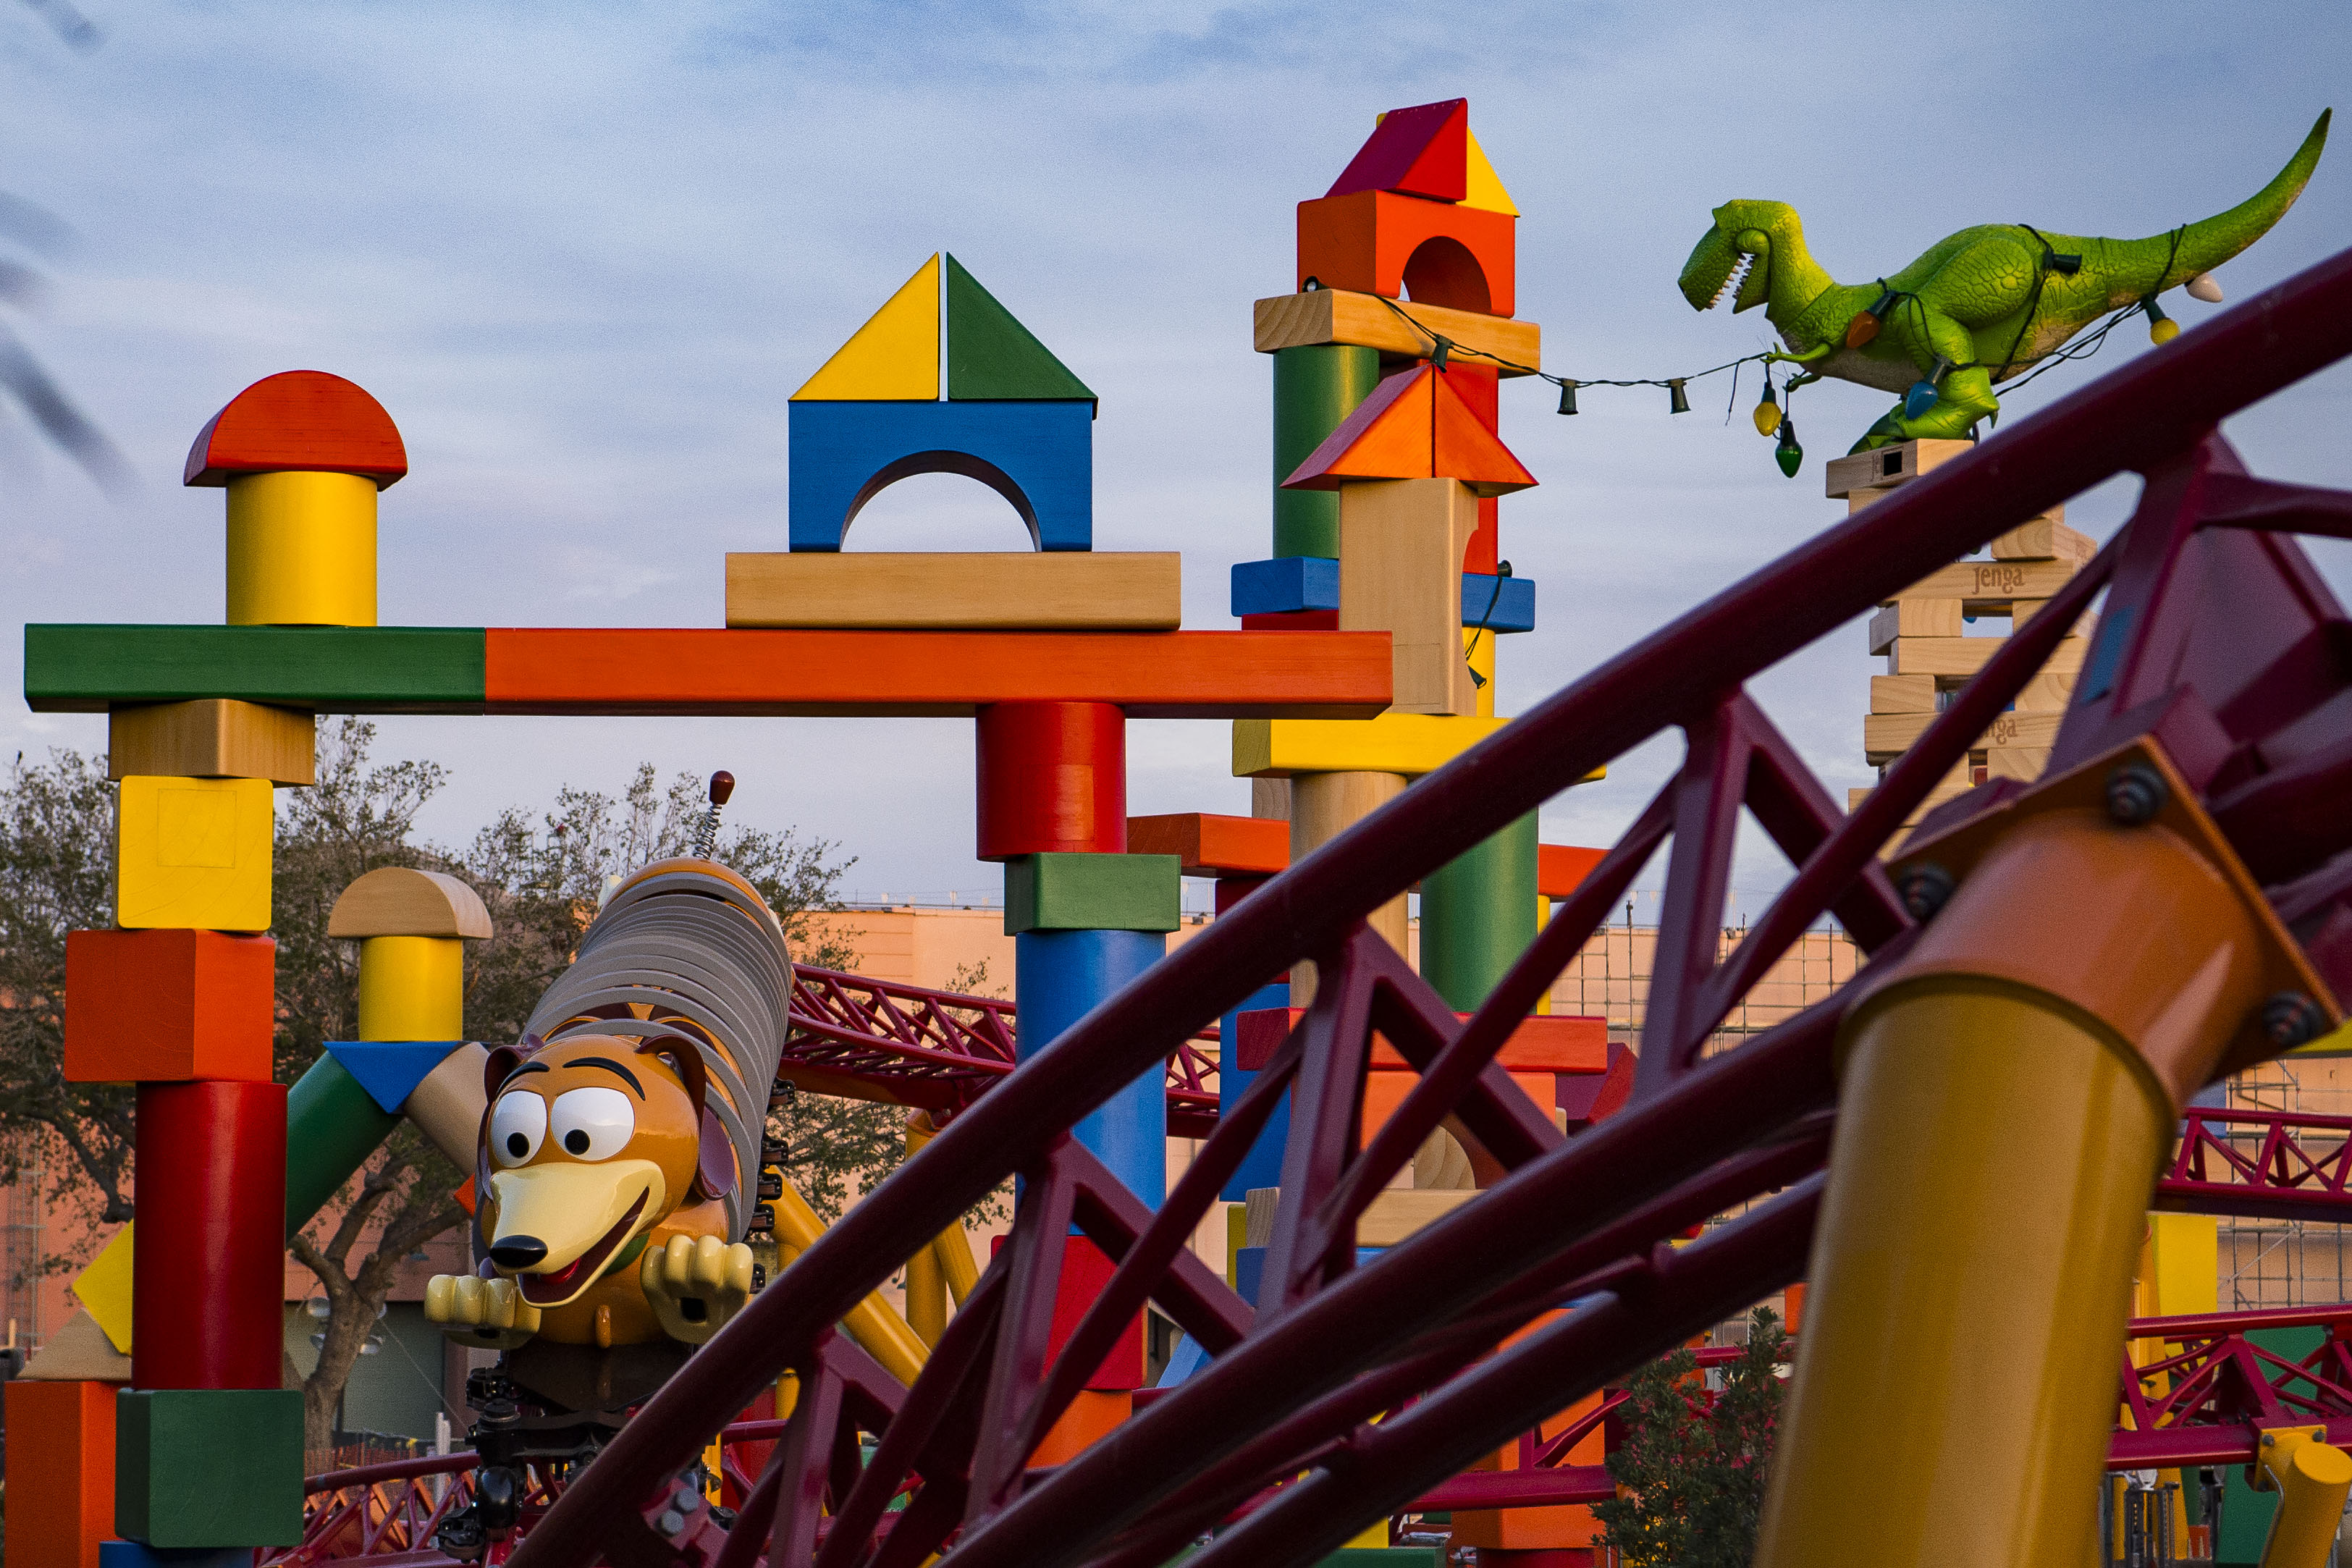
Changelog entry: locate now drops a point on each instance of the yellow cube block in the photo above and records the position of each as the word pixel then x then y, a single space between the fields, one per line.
pixel 192 852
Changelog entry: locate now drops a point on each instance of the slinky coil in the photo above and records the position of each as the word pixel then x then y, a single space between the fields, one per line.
pixel 685 947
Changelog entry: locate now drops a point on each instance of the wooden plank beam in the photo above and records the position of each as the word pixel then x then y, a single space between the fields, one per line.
pixel 1059 590
pixel 407 669
pixel 1367 320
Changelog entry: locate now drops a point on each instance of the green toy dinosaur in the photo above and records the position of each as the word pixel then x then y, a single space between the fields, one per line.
pixel 1979 308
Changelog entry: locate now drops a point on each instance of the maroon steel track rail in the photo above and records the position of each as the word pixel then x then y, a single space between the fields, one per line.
pixel 2273 1164
pixel 1469 1276
pixel 939 1049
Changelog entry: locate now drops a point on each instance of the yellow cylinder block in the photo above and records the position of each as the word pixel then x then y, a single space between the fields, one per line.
pixel 412 988
pixel 2312 1479
pixel 1984 1274
pixel 871 1324
pixel 302 550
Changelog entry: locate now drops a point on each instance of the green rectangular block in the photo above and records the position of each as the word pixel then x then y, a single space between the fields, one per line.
pixel 346 669
pixel 1384 1557
pixel 208 1467
pixel 1093 892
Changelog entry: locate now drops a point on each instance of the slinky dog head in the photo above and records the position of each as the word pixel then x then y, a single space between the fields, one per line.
pixel 588 1143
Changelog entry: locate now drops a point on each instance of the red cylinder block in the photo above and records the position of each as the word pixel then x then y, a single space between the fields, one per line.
pixel 1053 778
pixel 208 1270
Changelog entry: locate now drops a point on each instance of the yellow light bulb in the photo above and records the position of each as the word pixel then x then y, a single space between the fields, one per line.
pixel 2163 329
pixel 1768 418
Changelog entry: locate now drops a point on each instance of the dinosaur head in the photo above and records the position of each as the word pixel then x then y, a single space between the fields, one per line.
pixel 1736 249
pixel 587 1145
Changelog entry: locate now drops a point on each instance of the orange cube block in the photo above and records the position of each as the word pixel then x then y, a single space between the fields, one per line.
pixel 1091 1416
pixel 1376 242
pixel 61 1472
pixel 168 1005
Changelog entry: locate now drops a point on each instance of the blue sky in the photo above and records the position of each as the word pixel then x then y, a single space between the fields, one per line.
pixel 584 253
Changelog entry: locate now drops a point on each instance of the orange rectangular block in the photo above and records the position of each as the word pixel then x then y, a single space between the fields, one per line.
pixel 1213 846
pixel 1385 1090
pixel 168 1005
pixel 60 1470
pixel 1092 1416
pixel 1547 1043
pixel 1559 867
pixel 1370 241
pixel 1152 675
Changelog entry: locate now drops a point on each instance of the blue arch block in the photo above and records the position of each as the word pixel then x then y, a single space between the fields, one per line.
pixel 1037 455
pixel 1058 977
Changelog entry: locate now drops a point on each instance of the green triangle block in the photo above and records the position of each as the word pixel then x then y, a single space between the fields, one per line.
pixel 991 356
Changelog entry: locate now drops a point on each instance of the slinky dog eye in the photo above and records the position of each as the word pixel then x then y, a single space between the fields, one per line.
pixel 594 1123
pixel 517 1127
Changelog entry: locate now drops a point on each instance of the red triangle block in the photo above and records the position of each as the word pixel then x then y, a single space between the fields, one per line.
pixel 1414 425
pixel 1423 151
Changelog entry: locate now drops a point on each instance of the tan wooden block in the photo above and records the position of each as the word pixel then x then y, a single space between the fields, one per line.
pixel 2045 538
pixel 1853 799
pixel 2031 730
pixel 2021 611
pixel 1940 656
pixel 1886 736
pixel 1398 1212
pixel 1887 466
pixel 1991 587
pixel 401 900
pixel 2046 694
pixel 1903 694
pixel 1400 544
pixel 1059 590
pixel 213 738
pixel 1322 806
pixel 1915 619
pixel 2023 764
pixel 1366 321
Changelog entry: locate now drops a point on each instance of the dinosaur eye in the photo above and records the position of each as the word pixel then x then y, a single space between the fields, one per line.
pixel 594 1123
pixel 517 1127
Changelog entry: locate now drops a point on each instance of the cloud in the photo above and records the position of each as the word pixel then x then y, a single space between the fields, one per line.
pixel 584 253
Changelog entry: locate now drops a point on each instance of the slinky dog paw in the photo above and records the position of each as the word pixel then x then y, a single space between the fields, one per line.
pixel 488 1313
pixel 695 1284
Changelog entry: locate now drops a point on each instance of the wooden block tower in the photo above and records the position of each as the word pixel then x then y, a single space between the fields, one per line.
pixel 1388 473
pixel 206 1451
pixel 1921 632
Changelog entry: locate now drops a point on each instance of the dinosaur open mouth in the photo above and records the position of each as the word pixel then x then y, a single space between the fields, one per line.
pixel 1734 278
pixel 554 1290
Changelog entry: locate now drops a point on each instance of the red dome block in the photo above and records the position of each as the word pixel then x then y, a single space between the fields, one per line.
pixel 299 419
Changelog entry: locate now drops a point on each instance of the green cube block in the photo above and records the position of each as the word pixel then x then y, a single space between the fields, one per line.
pixel 208 1467
pixel 1093 892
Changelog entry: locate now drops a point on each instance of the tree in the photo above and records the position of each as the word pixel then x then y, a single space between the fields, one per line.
pixel 56 875
pixel 1691 1471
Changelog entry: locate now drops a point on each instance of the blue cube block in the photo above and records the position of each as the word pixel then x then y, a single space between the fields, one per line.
pixel 1037 455
pixel 1285 583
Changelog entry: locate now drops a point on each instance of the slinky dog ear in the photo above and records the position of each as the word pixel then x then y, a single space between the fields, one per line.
pixel 714 1173
pixel 500 1064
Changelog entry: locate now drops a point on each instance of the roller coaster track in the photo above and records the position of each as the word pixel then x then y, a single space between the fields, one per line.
pixel 2217 641
pixel 937 1050
pixel 2202 1396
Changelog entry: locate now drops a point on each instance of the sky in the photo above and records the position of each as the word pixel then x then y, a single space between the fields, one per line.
pixel 584 253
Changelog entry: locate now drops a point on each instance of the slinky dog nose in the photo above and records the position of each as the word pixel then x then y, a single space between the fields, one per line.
pixel 517 1251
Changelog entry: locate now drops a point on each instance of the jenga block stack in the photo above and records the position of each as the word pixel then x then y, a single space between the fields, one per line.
pixel 1921 632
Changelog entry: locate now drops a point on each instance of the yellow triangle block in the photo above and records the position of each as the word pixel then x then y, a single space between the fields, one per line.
pixel 893 357
pixel 105 1289
pixel 1485 189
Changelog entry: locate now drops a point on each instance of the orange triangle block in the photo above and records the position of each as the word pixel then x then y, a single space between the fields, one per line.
pixel 1414 425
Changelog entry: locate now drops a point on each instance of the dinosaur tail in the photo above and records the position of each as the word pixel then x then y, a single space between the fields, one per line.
pixel 2205 245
